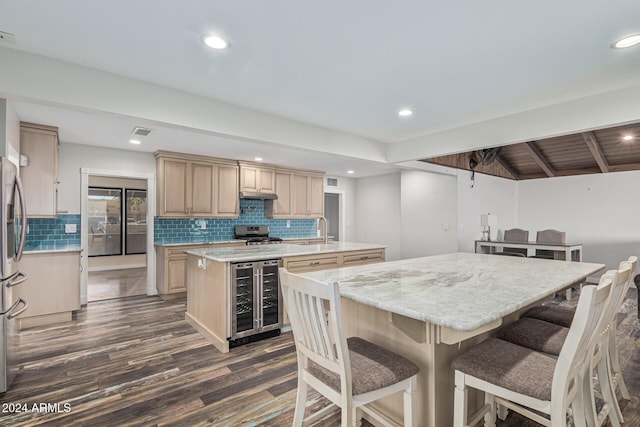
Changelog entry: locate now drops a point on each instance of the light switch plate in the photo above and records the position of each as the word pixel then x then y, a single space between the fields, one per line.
pixel 70 228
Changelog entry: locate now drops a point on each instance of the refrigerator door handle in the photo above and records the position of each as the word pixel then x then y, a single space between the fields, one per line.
pixel 11 315
pixel 23 209
pixel 16 279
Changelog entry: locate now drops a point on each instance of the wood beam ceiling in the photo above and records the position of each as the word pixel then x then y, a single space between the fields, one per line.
pixel 508 167
pixel 593 145
pixel 539 158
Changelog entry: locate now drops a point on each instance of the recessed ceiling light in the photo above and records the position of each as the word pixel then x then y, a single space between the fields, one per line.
pixel 215 42
pixel 627 41
pixel 405 112
pixel 351 172
pixel 135 141
pixel 627 137
pixel 258 159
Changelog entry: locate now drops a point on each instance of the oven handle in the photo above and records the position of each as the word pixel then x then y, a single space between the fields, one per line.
pixel 19 312
pixel 23 209
pixel 16 279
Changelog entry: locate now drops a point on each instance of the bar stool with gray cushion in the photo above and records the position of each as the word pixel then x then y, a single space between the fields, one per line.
pixel 539 386
pixel 350 372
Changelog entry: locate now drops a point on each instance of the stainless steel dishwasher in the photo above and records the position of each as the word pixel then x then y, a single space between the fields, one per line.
pixel 256 301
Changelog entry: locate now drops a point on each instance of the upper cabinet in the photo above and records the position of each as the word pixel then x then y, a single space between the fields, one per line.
pixel 196 186
pixel 256 178
pixel 300 195
pixel 39 144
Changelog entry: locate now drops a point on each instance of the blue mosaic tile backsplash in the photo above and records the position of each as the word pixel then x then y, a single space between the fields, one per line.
pixel 48 233
pixel 252 212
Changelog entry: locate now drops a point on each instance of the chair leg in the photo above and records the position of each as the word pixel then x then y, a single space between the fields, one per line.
pixel 583 407
pixel 490 417
pixel 460 401
pixel 301 400
pixel 502 412
pixel 409 398
pixel 608 394
pixel 615 362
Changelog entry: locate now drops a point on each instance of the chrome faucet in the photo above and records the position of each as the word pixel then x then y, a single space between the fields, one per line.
pixel 325 230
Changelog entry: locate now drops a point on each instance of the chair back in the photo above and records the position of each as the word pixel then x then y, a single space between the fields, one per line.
pixel 516 235
pixel 574 359
pixel 550 236
pixel 318 337
pixel 619 289
pixel 633 260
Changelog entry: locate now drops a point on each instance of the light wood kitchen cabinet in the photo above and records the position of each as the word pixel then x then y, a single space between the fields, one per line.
pixel 307 195
pixel 52 288
pixel 257 178
pixel 196 186
pixel 280 207
pixel 171 267
pixel 39 144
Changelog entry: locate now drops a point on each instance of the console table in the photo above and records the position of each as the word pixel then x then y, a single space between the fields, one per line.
pixel 561 251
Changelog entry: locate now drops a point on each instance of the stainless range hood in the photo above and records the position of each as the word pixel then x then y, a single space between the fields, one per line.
pixel 257 196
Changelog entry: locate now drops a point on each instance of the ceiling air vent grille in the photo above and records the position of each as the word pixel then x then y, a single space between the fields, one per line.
pixel 332 182
pixel 141 131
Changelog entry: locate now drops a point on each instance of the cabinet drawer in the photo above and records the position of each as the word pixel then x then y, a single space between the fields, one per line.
pixel 359 258
pixel 310 264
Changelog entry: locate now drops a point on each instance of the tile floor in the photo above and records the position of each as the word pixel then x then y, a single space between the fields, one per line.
pixel 111 284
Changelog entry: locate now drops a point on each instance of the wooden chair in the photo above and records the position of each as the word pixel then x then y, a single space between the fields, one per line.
pixel 563 316
pixel 515 235
pixel 549 338
pixel 350 372
pixel 551 237
pixel 529 382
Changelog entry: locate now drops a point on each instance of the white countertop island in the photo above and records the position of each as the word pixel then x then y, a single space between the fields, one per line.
pixel 434 308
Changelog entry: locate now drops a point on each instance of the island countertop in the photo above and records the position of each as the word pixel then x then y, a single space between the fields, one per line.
pixel 262 252
pixel 461 291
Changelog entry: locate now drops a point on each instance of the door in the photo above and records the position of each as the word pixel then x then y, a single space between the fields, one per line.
pixel 270 296
pixel 332 213
pixel 243 300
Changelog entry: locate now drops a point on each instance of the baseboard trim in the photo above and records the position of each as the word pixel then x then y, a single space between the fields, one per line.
pixel 116 267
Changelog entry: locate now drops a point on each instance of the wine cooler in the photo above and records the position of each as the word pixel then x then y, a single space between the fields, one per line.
pixel 256 299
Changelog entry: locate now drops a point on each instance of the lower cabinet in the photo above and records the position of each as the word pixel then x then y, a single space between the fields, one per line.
pixel 171 267
pixel 52 288
pixel 303 264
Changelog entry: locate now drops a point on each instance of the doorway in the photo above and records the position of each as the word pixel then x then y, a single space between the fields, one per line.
pixel 332 212
pixel 117 211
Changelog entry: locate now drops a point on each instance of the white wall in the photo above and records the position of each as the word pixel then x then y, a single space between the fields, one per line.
pixel 600 211
pixel 72 157
pixel 9 132
pixel 490 194
pixel 377 212
pixel 428 217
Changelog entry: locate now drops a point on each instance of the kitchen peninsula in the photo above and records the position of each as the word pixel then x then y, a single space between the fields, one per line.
pixel 434 308
pixel 233 292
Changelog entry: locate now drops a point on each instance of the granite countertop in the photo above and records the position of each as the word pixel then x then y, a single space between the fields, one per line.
pixel 262 252
pixel 208 242
pixel 461 291
pixel 38 249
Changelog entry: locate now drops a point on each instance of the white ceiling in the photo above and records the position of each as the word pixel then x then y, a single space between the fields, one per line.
pixel 347 66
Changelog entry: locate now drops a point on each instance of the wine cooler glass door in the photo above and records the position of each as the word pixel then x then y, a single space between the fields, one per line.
pixel 243 302
pixel 271 305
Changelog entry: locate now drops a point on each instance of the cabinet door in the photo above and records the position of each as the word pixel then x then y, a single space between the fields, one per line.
pixel 201 189
pixel 299 195
pixel 282 205
pixel 315 196
pixel 40 177
pixel 177 274
pixel 249 179
pixel 227 191
pixel 266 180
pixel 173 187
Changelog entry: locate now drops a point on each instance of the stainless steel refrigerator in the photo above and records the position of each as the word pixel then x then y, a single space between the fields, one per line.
pixel 13 230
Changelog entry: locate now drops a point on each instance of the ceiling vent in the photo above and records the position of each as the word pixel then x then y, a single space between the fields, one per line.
pixel 141 131
pixel 332 182
pixel 7 38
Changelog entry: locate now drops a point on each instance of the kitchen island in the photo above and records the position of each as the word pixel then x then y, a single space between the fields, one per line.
pixel 434 308
pixel 215 306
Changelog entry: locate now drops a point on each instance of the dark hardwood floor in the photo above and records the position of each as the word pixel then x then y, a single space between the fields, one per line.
pixel 135 361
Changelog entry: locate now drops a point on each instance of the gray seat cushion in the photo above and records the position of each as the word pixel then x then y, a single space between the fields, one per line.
pixel 535 334
pixel 509 366
pixel 562 316
pixel 372 368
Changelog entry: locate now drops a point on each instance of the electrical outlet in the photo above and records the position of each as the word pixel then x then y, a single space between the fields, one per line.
pixel 70 228
pixel 203 225
pixel 445 226
pixel 288 223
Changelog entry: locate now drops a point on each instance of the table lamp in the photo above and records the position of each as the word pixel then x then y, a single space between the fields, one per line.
pixel 486 221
